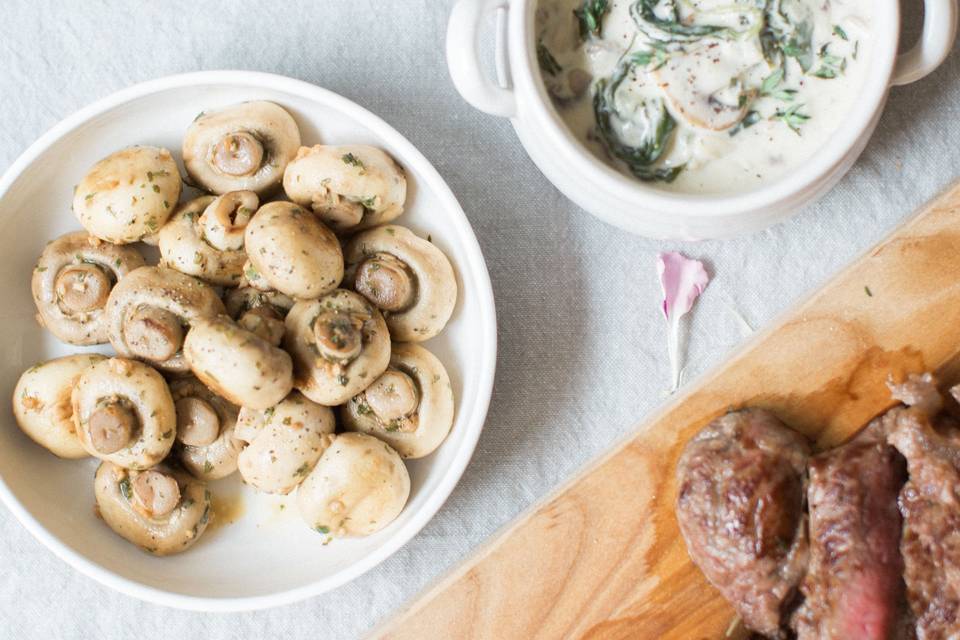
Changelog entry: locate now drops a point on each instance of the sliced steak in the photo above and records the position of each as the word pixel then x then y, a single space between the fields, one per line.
pixel 853 587
pixel 740 508
pixel 930 504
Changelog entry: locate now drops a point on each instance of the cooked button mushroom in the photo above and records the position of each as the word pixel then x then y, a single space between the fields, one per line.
pixel 123 412
pixel 128 195
pixel 160 510
pixel 41 403
pixel 206 426
pixel 358 487
pixel 237 364
pixel 260 312
pixel 285 442
pixel 242 147
pixel 339 344
pixel 350 187
pixel 204 238
pixel 148 311
pixel 72 281
pixel 293 251
pixel 410 406
pixel 406 277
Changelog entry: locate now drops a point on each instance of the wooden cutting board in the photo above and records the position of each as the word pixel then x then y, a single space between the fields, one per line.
pixel 602 557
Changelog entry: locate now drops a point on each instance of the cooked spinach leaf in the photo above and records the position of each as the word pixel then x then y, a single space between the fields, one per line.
pixel 672 28
pixel 660 127
pixel 590 16
pixel 548 64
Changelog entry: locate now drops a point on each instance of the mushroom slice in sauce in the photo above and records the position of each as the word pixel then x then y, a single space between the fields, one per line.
pixel 41 403
pixel 72 281
pixel 123 412
pixel 160 510
pixel 260 312
pixel 410 406
pixel 204 238
pixel 148 311
pixel 238 364
pixel 339 344
pixel 359 486
pixel 128 195
pixel 293 251
pixel 350 187
pixel 243 147
pixel 206 424
pixel 408 278
pixel 286 441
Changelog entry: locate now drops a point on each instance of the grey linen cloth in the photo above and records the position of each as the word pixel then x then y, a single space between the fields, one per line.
pixel 582 343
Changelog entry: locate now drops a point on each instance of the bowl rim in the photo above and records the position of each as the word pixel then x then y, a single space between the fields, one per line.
pixel 651 202
pixel 472 260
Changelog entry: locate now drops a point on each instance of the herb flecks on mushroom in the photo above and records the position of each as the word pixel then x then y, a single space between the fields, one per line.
pixel 405 276
pixel 123 412
pixel 246 146
pixel 237 364
pixel 41 403
pixel 149 310
pixel 206 430
pixel 350 187
pixel 286 441
pixel 128 195
pixel 339 345
pixel 293 251
pixel 410 406
pixel 160 510
pixel 204 238
pixel 72 281
pixel 358 487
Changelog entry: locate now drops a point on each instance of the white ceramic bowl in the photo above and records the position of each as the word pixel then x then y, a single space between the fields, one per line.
pixel 268 556
pixel 641 208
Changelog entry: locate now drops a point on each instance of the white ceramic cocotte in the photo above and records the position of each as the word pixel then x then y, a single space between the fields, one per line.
pixel 519 94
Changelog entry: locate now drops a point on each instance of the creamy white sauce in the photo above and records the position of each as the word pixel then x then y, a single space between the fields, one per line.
pixel 742 115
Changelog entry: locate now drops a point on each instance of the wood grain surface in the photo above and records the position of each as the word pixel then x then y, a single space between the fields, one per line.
pixel 602 557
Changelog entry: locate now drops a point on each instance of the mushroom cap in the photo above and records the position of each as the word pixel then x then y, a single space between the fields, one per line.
pixel 324 380
pixel 359 486
pixel 350 187
pixel 42 407
pixel 217 459
pixel 128 195
pixel 164 289
pixel 262 123
pixel 162 535
pixel 69 261
pixel 433 414
pixel 286 441
pixel 141 389
pixel 293 251
pixel 238 364
pixel 435 285
pixel 185 247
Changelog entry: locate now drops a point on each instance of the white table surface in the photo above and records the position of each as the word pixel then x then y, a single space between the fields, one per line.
pixel 582 353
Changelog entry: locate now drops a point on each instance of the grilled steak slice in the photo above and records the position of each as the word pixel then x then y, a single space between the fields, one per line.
pixel 853 587
pixel 740 508
pixel 930 504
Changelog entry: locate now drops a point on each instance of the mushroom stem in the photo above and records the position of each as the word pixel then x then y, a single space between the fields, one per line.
pixel 155 493
pixel 385 281
pixel 265 322
pixel 392 398
pixel 338 335
pixel 152 333
pixel 82 288
pixel 238 154
pixel 197 423
pixel 225 219
pixel 111 426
